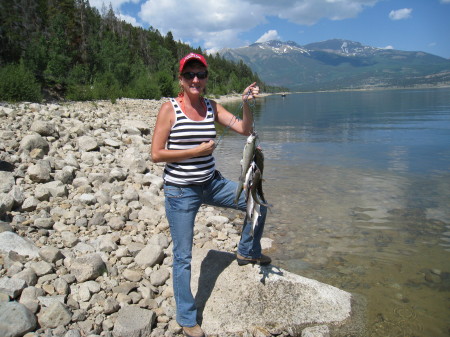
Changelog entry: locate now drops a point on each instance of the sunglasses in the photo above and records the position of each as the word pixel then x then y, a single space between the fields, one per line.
pixel 190 75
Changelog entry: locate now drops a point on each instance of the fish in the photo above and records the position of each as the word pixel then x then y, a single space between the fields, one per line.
pixel 247 158
pixel 256 189
pixel 250 180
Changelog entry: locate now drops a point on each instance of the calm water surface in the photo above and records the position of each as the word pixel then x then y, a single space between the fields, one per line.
pixel 360 188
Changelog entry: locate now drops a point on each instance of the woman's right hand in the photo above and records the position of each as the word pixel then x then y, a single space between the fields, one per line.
pixel 251 92
pixel 206 148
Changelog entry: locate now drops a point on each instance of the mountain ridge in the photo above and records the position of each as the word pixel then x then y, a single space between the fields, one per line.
pixel 339 64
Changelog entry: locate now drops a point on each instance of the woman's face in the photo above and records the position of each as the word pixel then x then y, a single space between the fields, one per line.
pixel 195 85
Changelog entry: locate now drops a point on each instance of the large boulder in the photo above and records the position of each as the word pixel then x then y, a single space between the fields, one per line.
pixel 10 241
pixel 263 297
pixel 15 320
pixel 35 141
pixel 134 322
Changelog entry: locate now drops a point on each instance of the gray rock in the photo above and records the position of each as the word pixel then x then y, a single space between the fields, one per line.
pixel 261 296
pixel 41 193
pixel 71 160
pixel 48 301
pixel 112 143
pixel 30 204
pixel 87 143
pixel 116 222
pixel 46 223
pixel 41 268
pixel 149 215
pixel 142 126
pixel 35 141
pixel 106 243
pixel 44 128
pixel 133 322
pixel 6 203
pixel 316 331
pixel 159 239
pixel 10 241
pixel 73 333
pixel 12 286
pixel 17 194
pixel 28 275
pixel 39 173
pixel 15 320
pixel 88 267
pixel 97 220
pixel 61 286
pixel 29 298
pixel 88 199
pixel 150 256
pixel 50 254
pixel 65 175
pixel 56 188
pixel 159 277
pixel 130 194
pixel 111 306
pixel 7 181
pixel 132 275
pixel 133 161
pixel 69 239
pixel 55 315
pixel 5 227
pixel 118 174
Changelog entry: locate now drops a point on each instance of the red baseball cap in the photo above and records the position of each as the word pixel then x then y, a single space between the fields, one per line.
pixel 192 56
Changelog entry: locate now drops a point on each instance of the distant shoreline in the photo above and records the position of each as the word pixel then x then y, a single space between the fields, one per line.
pixel 236 97
pixel 370 89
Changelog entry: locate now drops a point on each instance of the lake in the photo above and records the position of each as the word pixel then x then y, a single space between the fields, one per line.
pixel 359 184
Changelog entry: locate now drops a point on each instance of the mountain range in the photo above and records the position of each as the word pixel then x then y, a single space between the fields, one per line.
pixel 340 64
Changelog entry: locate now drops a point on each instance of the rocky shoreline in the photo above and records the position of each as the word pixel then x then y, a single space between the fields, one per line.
pixel 85 248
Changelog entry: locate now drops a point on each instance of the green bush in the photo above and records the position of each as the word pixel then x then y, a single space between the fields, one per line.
pixel 80 92
pixel 144 87
pixel 17 83
pixel 165 83
pixel 106 86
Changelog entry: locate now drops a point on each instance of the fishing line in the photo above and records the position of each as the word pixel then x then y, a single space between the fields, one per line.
pixel 251 105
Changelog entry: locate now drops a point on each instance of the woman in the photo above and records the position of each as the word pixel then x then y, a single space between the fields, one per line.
pixel 184 138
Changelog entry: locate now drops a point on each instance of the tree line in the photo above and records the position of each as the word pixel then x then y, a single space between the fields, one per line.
pixel 66 49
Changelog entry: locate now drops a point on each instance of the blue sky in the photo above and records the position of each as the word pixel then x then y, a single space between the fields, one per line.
pixel 412 25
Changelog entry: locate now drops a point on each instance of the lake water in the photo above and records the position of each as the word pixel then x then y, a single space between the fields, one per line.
pixel 360 187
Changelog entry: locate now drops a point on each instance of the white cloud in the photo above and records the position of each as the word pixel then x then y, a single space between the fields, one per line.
pixel 114 3
pixel 217 24
pixel 270 35
pixel 388 47
pixel 130 19
pixel 309 12
pixel 400 14
pixel 445 1
pixel 211 23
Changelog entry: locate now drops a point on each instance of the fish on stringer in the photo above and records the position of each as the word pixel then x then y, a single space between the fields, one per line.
pixel 250 181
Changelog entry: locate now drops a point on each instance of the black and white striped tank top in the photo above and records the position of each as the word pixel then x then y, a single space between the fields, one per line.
pixel 186 134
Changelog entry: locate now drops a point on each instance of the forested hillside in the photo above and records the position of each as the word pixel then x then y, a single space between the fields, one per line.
pixel 65 49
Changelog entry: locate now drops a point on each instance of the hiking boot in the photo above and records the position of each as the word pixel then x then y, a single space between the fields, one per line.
pixel 262 260
pixel 194 331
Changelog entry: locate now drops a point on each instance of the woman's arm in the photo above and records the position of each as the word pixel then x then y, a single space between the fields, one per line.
pixel 164 123
pixel 226 118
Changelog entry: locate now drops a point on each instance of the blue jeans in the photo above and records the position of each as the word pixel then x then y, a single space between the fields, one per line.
pixel 182 205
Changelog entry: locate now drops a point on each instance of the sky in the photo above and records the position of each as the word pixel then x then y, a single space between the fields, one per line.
pixel 410 25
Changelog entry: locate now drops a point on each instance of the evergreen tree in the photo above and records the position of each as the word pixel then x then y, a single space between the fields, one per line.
pixel 76 52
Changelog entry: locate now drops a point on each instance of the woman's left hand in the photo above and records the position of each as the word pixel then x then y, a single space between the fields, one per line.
pixel 251 92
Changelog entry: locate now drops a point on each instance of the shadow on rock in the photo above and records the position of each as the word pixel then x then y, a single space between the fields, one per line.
pixel 212 266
